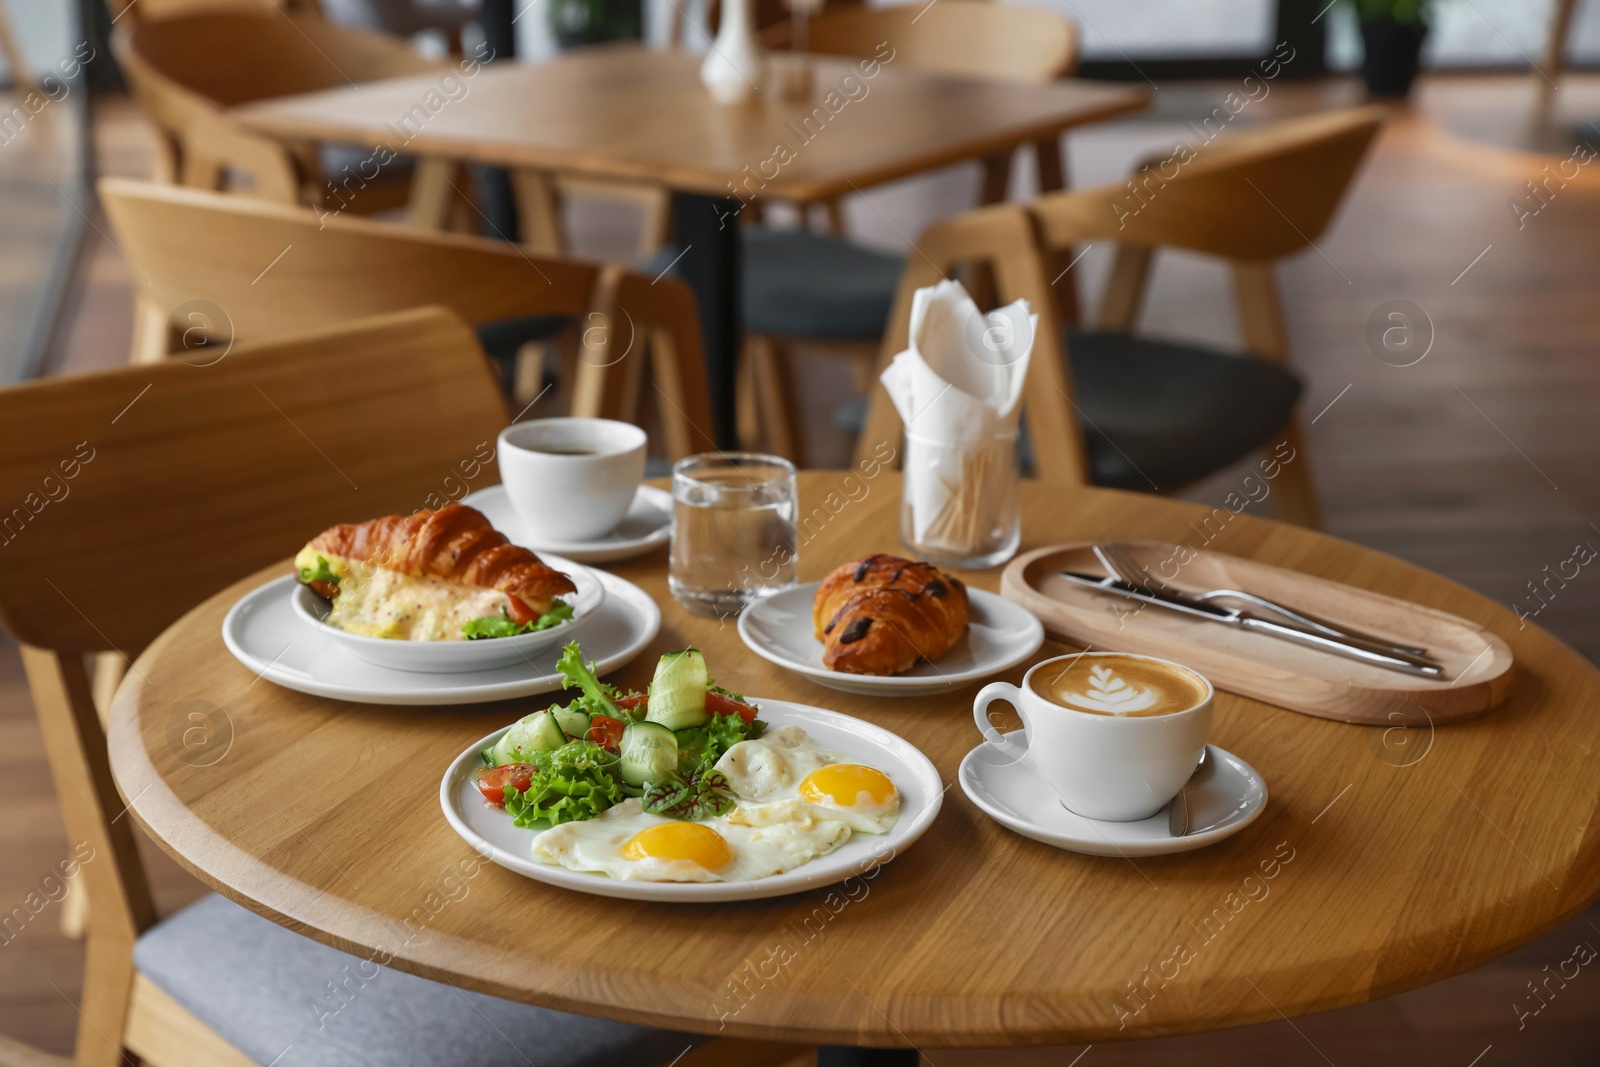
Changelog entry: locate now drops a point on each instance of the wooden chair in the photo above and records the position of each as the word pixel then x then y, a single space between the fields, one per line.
pixel 189 70
pixel 16 1054
pixel 793 278
pixel 22 76
pixel 271 269
pixel 1139 414
pixel 1547 71
pixel 126 475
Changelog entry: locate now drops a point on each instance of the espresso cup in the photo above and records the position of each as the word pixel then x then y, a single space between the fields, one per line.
pixel 571 479
pixel 1115 734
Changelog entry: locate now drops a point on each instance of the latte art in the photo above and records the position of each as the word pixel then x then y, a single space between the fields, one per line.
pixel 1120 685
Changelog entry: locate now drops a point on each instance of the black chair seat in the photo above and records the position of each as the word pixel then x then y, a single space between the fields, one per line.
pixel 1170 414
pixel 805 284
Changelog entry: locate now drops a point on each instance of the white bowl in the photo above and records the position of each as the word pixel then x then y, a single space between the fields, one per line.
pixel 453 657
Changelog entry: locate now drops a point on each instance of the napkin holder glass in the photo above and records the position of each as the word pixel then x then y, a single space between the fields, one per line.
pixel 971 490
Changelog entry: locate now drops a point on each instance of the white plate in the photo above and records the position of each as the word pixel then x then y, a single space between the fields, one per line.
pixel 999 636
pixel 1009 791
pixel 264 633
pixel 455 657
pixel 646 526
pixel 491 834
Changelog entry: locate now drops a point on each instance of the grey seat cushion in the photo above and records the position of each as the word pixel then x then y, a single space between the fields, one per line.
pixel 807 284
pixel 1170 413
pixel 286 1000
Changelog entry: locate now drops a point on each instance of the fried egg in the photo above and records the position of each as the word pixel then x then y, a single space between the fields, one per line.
pixel 628 843
pixel 797 801
pixel 789 772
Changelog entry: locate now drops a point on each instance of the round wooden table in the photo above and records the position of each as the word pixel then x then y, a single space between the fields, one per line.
pixel 1376 867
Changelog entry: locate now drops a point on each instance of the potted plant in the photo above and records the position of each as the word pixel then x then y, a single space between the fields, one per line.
pixel 583 22
pixel 1392 31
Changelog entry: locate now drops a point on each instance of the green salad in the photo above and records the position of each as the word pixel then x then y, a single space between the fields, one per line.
pixel 571 762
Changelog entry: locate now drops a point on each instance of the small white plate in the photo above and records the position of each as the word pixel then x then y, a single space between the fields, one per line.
pixel 264 633
pixel 999 636
pixel 454 657
pixel 646 526
pixel 490 832
pixel 1008 790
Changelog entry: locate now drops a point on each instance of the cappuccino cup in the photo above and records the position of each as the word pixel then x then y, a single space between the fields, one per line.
pixel 1115 734
pixel 571 479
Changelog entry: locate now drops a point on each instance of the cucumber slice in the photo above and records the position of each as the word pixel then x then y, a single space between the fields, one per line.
pixel 538 732
pixel 573 723
pixel 649 753
pixel 678 691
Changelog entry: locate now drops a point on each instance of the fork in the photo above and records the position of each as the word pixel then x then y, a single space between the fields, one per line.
pixel 1122 565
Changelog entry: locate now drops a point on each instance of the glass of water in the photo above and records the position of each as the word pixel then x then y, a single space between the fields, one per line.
pixel 733 532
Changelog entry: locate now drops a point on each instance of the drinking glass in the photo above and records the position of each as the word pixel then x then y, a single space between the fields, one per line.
pixel 733 532
pixel 960 505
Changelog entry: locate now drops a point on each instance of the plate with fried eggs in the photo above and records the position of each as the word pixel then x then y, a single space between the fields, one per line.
pixel 822 797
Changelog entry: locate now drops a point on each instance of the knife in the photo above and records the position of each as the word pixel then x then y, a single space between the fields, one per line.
pixel 1347 647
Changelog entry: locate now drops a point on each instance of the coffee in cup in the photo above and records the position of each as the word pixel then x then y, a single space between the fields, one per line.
pixel 571 479
pixel 1114 734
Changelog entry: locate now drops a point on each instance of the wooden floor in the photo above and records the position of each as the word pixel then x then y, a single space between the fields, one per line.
pixel 1479 462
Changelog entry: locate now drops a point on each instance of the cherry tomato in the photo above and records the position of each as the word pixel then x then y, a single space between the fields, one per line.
pixel 606 731
pixel 717 704
pixel 633 701
pixel 492 781
pixel 518 611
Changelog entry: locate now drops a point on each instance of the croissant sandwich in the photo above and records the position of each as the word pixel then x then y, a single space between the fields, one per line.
pixel 443 575
pixel 879 615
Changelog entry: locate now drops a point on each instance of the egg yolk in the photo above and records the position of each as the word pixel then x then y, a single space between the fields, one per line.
pixel 841 785
pixel 680 841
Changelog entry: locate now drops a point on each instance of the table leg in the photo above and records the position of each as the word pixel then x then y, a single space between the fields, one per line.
pixel 706 228
pixel 496 199
pixel 847 1056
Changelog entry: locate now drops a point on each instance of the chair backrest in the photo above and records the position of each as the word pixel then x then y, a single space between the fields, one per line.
pixel 190 68
pixel 1258 194
pixel 974 38
pixel 268 269
pixel 1250 198
pixel 143 10
pixel 276 269
pixel 136 493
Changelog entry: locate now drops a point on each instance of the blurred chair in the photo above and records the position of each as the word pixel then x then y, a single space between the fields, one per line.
pixel 141 10
pixel 210 469
pixel 22 77
pixel 804 285
pixel 271 269
pixel 189 70
pixel 1112 409
pixel 16 1054
pixel 1548 70
pixel 406 18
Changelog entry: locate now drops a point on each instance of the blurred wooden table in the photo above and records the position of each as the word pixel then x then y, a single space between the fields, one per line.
pixel 628 112
pixel 1382 862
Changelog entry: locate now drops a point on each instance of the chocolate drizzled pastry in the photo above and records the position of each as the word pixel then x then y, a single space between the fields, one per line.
pixel 880 614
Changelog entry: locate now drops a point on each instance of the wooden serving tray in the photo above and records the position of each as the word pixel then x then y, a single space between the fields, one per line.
pixel 1477 664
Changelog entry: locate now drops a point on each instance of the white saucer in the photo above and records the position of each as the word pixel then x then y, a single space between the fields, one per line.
pixel 264 632
pixel 1006 788
pixel 646 526
pixel 1000 635
pixel 454 657
pixel 491 834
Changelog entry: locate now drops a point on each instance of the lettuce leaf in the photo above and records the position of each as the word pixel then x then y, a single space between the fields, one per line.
pixel 701 794
pixel 501 626
pixel 597 698
pixel 320 573
pixel 573 783
pixel 702 746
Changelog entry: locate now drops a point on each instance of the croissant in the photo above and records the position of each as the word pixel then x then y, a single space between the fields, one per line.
pixel 880 614
pixel 423 575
